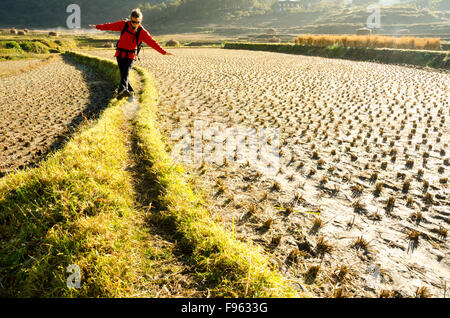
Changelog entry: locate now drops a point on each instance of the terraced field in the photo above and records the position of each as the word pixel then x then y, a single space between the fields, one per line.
pixel 350 198
pixel 41 107
pixel 18 66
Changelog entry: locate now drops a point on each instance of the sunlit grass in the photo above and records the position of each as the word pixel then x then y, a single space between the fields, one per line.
pixel 78 207
pixel 234 268
pixel 371 41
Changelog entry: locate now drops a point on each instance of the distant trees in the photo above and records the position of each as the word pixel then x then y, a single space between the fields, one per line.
pixel 177 10
pixel 441 5
pixel 423 3
pixel 52 13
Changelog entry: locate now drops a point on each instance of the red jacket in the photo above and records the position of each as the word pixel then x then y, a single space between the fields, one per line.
pixel 128 41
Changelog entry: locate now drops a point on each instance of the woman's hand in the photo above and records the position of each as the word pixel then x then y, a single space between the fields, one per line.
pixel 92 26
pixel 168 53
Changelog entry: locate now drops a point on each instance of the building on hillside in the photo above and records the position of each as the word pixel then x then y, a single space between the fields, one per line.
pixel 286 4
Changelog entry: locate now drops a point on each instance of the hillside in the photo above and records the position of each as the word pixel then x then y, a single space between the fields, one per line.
pixel 347 20
pixel 316 17
pixel 244 18
pixel 52 13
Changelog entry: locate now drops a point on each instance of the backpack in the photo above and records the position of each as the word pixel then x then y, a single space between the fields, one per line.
pixel 139 44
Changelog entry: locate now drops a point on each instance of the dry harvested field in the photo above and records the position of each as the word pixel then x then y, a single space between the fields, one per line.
pixel 18 66
pixel 42 106
pixel 357 204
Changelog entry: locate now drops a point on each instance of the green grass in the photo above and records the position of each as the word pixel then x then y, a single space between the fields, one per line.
pixel 79 207
pixel 75 208
pixel 232 268
pixel 72 209
pixel 29 47
pixel 34 47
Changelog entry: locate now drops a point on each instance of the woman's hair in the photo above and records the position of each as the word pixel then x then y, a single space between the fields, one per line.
pixel 136 13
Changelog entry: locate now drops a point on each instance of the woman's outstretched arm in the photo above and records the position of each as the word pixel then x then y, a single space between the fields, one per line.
pixel 147 38
pixel 115 26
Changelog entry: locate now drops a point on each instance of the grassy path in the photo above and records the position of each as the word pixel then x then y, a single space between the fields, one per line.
pixel 112 205
pixel 78 208
pixel 352 137
pixel 170 275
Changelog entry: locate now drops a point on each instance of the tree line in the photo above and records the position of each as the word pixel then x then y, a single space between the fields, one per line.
pixel 52 13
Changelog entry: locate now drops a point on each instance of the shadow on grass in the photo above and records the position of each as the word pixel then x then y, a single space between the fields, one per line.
pixel 148 194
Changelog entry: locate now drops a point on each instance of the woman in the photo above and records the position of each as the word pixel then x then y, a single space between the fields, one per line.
pixel 132 35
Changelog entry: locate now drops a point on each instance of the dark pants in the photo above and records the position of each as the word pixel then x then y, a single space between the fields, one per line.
pixel 125 66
